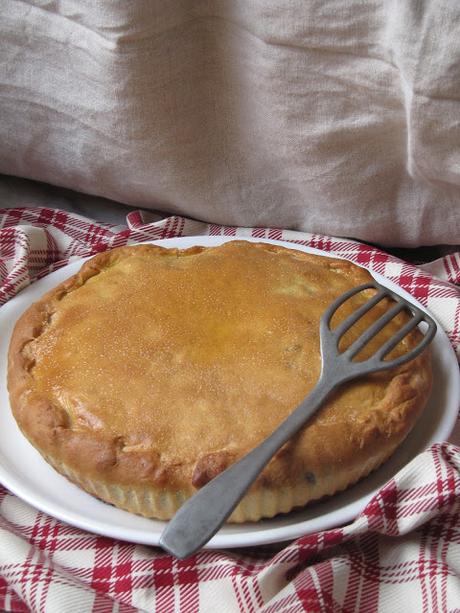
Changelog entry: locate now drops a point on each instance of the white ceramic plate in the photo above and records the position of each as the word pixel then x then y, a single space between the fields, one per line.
pixel 24 472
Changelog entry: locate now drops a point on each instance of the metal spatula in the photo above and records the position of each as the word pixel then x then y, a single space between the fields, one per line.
pixel 203 514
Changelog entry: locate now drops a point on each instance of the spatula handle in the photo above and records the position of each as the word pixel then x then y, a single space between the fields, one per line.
pixel 203 514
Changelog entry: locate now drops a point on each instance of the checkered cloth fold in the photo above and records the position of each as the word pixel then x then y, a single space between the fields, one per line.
pixel 402 552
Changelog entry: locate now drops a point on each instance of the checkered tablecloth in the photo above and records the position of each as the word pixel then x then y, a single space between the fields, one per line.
pixel 401 554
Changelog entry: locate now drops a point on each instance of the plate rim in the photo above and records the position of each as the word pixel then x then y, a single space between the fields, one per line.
pixel 220 540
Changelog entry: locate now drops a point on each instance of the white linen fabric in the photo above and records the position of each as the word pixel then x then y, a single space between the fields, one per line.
pixel 334 117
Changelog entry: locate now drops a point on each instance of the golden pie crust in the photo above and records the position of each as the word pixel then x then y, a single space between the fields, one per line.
pixel 151 370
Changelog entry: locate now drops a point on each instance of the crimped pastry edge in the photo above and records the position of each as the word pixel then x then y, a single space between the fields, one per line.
pixel 263 503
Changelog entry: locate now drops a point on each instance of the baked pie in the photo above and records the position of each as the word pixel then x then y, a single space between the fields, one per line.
pixel 152 370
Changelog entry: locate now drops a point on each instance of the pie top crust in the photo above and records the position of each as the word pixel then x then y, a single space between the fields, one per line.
pixel 164 366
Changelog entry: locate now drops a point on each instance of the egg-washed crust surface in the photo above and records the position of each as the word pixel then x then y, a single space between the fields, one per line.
pixel 154 369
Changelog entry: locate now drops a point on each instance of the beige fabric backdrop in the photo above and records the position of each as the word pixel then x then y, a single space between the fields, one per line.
pixel 336 117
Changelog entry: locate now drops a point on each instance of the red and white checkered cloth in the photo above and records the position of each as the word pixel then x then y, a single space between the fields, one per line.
pixel 402 553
